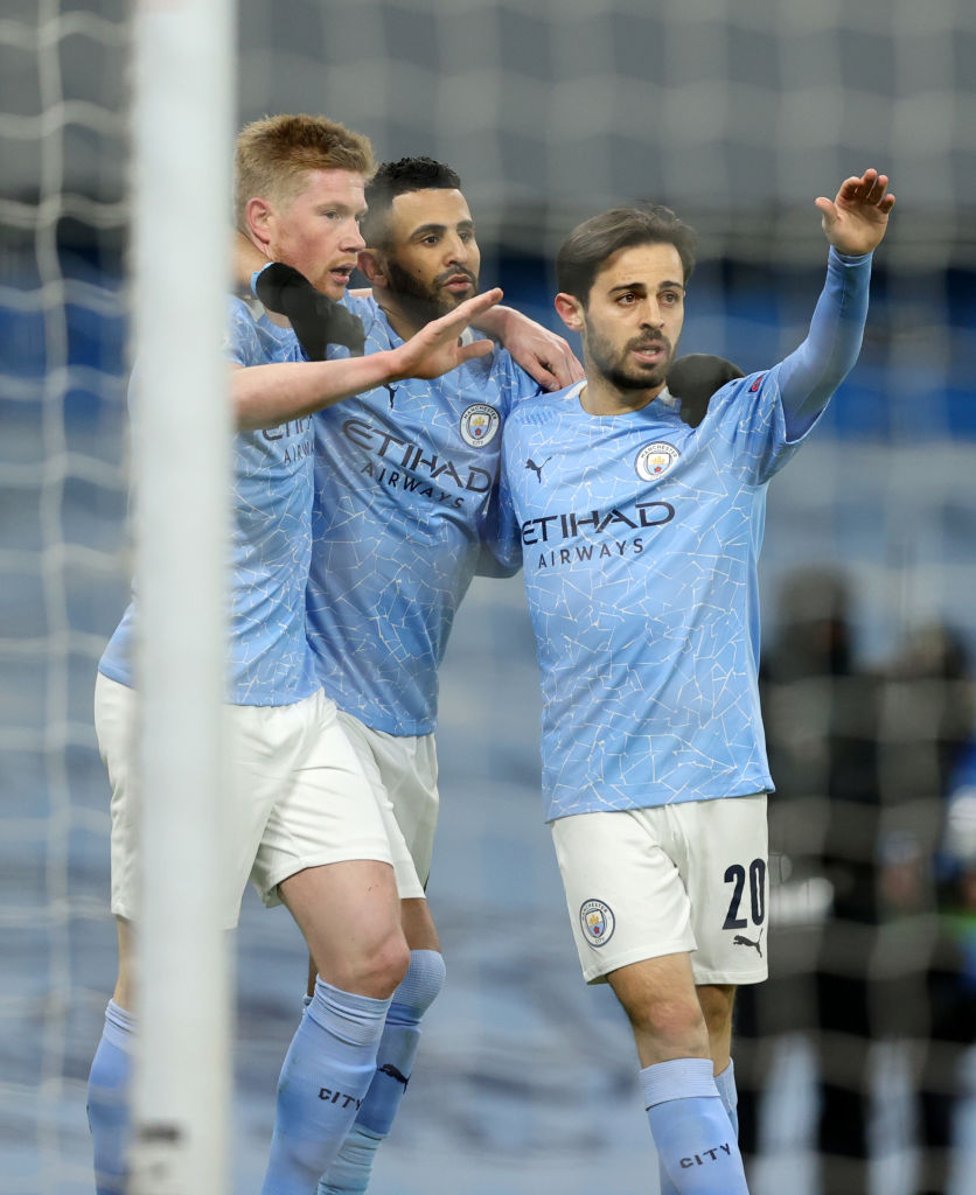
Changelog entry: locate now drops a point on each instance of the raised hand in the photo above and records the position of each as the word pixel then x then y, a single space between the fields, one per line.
pixel 436 349
pixel 855 220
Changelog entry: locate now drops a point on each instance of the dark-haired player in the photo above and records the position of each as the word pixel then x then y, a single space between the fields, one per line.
pixel 639 538
pixel 403 478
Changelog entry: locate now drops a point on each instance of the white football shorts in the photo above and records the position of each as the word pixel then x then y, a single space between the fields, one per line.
pixel 403 772
pixel 300 797
pixel 689 877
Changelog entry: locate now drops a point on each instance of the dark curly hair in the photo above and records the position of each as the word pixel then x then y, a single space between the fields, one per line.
pixel 400 178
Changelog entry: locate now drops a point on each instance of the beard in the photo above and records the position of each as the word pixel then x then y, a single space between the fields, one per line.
pixel 421 303
pixel 622 373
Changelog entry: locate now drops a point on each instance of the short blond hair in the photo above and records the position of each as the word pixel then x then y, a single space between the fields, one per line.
pixel 274 154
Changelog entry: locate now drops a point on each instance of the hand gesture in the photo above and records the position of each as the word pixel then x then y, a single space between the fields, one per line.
pixel 855 221
pixel 435 349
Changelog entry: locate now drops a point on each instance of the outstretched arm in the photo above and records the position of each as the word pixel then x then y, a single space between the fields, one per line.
pixel 266 395
pixel 854 223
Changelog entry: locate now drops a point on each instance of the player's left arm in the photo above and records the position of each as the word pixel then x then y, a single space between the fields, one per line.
pixel 546 357
pixel 854 223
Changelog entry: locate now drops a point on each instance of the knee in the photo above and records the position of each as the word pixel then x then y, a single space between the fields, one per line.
pixel 377 969
pixel 676 1025
pixel 717 1001
pixel 384 967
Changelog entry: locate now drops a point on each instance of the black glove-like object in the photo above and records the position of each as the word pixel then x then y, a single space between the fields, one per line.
pixel 316 319
pixel 695 378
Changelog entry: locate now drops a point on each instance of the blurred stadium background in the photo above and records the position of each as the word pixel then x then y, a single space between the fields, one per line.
pixel 737 115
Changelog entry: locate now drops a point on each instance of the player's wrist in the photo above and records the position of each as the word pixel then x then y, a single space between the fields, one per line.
pixel 391 365
pixel 848 259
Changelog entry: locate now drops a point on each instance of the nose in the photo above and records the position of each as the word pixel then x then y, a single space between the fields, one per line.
pixel 353 241
pixel 651 315
pixel 457 251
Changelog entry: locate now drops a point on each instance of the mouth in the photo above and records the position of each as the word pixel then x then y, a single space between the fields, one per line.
pixel 458 283
pixel 341 274
pixel 650 354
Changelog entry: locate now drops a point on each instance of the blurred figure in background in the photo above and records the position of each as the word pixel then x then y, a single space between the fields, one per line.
pixel 923 993
pixel 863 762
pixel 810 690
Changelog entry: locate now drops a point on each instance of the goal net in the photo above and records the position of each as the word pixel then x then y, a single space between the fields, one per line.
pixel 737 115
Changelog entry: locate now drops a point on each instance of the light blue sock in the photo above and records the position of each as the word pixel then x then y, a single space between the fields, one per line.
pixel 108 1099
pixel 325 1076
pixel 691 1128
pixel 725 1082
pixel 351 1170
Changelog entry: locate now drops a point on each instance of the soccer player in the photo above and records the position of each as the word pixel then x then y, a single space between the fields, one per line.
pixel 639 537
pixel 306 826
pixel 402 482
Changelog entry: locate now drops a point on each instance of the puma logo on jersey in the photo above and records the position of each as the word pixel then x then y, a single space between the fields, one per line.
pixel 742 940
pixel 389 1069
pixel 530 464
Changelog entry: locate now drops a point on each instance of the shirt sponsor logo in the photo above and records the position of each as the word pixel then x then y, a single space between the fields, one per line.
pixel 414 458
pixel 479 425
pixel 553 528
pixel 654 460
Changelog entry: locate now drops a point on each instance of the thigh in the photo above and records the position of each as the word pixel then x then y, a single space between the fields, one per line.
pixel 625 896
pixel 325 810
pixel 723 857
pixel 349 915
pixel 403 770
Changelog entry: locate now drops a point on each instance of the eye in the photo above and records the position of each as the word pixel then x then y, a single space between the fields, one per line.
pixel 466 235
pixel 431 239
pixel 627 299
pixel 671 298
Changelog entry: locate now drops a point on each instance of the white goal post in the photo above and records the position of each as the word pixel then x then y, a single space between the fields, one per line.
pixel 183 141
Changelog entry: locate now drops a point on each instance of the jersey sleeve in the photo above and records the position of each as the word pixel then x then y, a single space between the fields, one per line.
pixel 242 345
pixel 763 418
pixel 501 551
pixel 515 384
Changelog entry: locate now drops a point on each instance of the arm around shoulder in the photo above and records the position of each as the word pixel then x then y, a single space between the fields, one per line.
pixel 266 395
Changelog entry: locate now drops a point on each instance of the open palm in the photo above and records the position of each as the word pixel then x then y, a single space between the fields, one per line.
pixel 855 220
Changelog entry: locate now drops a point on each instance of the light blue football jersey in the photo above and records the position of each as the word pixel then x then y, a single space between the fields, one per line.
pixel 270 660
pixel 639 538
pixel 403 475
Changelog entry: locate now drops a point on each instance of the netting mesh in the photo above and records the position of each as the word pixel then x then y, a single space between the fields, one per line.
pixel 737 115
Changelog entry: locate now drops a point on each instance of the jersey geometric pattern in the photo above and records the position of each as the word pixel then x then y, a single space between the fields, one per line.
pixel 640 537
pixel 270 661
pixel 403 479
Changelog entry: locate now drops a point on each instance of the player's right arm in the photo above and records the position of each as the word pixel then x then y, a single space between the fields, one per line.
pixel 266 395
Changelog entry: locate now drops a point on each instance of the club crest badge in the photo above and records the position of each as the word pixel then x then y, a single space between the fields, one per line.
pixel 479 425
pixel 597 922
pixel 654 460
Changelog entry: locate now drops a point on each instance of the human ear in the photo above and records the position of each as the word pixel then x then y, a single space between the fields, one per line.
pixel 259 218
pixel 372 265
pixel 570 311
